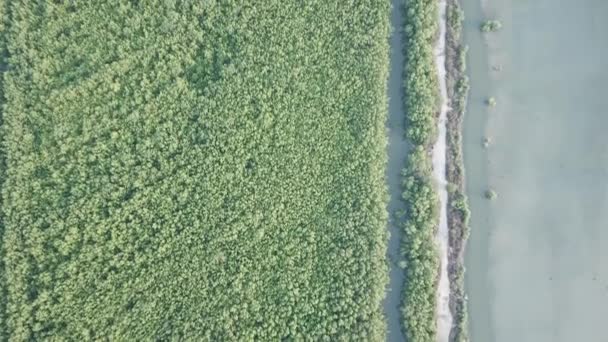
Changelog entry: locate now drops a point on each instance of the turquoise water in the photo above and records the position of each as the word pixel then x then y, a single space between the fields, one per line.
pixel 537 259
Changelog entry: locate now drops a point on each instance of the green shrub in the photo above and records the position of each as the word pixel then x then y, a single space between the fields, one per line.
pixel 455 17
pixel 491 102
pixel 490 26
pixel 461 61
pixel 491 194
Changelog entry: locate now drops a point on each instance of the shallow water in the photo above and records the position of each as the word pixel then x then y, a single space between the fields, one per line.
pixel 397 152
pixel 537 259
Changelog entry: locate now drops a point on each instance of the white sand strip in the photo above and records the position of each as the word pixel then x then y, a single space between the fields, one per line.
pixel 444 316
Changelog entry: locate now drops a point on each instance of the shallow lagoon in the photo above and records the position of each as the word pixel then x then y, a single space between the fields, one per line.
pixel 537 259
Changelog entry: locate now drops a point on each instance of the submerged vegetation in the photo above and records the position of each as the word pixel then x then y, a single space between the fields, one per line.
pixel 209 171
pixel 421 95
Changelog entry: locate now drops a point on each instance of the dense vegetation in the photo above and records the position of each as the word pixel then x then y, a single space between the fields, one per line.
pixel 421 97
pixel 206 170
pixel 3 65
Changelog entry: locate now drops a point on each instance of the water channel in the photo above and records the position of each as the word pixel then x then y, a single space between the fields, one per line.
pixel 397 153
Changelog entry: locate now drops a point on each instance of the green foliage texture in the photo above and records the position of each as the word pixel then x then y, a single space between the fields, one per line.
pixel 204 170
pixel 3 66
pixel 490 26
pixel 421 97
pixel 420 84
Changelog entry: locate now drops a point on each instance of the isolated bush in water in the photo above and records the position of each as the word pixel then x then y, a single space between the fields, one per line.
pixel 491 194
pixel 491 102
pixel 486 142
pixel 491 26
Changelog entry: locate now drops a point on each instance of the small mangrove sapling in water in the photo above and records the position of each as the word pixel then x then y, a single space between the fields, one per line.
pixel 490 26
pixel 491 101
pixel 486 142
pixel 491 194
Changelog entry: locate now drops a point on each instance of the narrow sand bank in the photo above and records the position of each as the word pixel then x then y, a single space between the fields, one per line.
pixel 444 315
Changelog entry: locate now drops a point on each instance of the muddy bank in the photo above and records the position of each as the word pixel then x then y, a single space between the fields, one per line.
pixel 458 212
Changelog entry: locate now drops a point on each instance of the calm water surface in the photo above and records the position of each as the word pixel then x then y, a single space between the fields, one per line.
pixel 397 151
pixel 537 260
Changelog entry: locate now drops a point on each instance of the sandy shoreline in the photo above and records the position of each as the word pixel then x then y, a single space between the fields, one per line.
pixel 444 315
